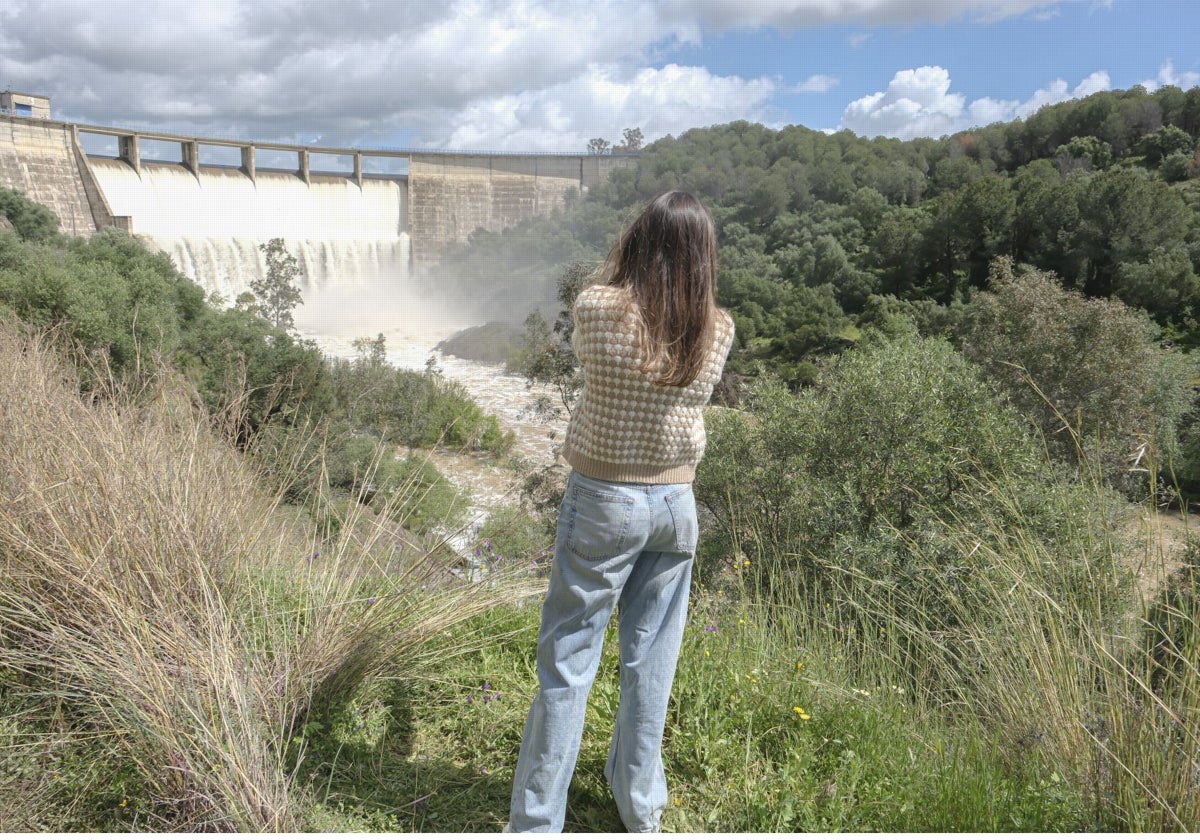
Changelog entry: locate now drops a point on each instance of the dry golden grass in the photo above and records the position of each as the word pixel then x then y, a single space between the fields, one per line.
pixel 159 596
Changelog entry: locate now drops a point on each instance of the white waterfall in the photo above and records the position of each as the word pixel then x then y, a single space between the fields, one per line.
pixel 351 241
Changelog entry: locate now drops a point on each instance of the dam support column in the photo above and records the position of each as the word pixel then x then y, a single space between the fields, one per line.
pixel 358 169
pixel 191 156
pixel 248 162
pixel 302 159
pixel 102 214
pixel 128 151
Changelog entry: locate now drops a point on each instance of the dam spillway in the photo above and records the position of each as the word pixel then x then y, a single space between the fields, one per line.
pixel 360 238
pixel 212 222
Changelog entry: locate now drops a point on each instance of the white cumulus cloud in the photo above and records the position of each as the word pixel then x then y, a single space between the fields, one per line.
pixel 817 83
pixel 539 75
pixel 919 103
pixel 490 73
pixel 1059 91
pixel 604 101
pixel 791 14
pixel 1167 76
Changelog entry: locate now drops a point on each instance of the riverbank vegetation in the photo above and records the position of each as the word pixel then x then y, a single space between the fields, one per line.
pixel 946 581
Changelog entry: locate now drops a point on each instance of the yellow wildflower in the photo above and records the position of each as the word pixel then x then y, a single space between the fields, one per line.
pixel 803 715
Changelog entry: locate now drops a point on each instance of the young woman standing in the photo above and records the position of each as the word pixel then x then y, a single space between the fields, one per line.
pixel 652 343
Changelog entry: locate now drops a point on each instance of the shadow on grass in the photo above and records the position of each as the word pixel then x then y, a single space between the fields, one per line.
pixel 397 786
pixel 434 795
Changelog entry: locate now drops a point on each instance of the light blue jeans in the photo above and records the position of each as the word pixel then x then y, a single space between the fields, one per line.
pixel 618 545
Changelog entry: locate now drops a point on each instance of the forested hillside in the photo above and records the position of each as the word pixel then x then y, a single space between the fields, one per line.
pixel 817 230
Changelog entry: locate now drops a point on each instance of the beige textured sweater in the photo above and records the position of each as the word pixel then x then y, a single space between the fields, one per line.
pixel 626 428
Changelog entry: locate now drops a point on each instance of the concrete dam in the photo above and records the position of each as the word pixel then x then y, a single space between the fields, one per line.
pixel 355 231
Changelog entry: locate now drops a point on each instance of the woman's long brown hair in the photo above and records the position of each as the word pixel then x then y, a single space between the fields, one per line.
pixel 667 258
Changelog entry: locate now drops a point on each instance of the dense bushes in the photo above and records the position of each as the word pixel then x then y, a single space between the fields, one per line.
pixel 112 299
pixel 410 407
pixel 30 220
pixel 863 489
pixel 1088 373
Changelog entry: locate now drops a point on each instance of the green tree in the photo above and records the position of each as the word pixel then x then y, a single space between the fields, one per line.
pixel 372 351
pixel 1091 152
pixel 1046 219
pixel 897 250
pixel 598 146
pixel 984 213
pixel 1167 141
pixel 276 291
pixel 32 221
pixel 631 140
pixel 1164 284
pixel 1089 373
pixel 1176 167
pixel 547 356
pixel 1125 214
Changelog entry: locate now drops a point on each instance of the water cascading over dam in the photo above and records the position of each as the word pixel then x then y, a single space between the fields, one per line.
pixel 351 242
pixel 361 239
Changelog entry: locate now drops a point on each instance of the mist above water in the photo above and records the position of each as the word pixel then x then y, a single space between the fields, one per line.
pixel 351 243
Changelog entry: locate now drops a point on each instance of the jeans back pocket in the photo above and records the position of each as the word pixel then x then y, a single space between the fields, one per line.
pixel 599 523
pixel 682 505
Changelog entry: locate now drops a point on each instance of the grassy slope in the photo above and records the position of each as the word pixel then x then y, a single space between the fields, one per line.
pixel 224 669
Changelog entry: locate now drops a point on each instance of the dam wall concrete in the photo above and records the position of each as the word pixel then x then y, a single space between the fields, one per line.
pixel 452 195
pixel 41 159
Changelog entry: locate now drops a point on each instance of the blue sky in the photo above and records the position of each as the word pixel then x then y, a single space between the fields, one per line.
pixel 1131 41
pixel 548 75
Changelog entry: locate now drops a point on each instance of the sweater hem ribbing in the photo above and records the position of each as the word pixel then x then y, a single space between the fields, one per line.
pixel 629 473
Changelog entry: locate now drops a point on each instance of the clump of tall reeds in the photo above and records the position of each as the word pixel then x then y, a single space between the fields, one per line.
pixel 156 601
